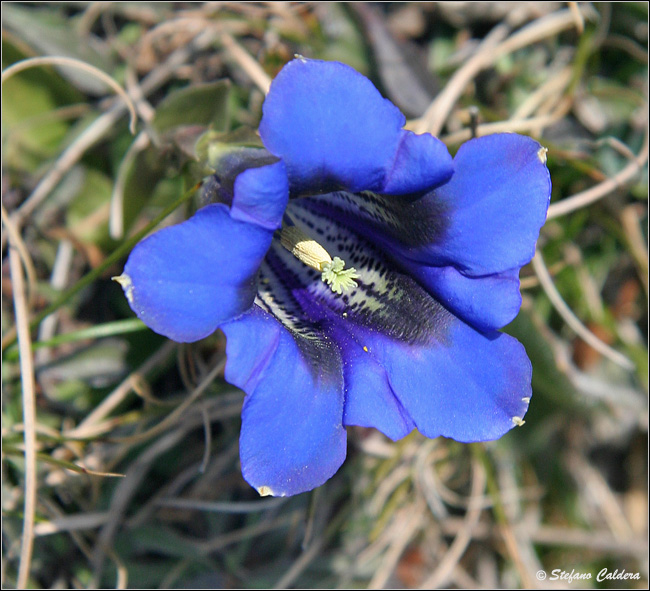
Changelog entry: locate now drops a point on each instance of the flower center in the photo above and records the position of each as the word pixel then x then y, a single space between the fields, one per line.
pixel 310 252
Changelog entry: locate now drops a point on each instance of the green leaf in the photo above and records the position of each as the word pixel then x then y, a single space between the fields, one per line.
pixel 147 178
pixel 203 104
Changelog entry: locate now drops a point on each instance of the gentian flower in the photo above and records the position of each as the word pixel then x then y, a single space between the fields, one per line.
pixel 360 276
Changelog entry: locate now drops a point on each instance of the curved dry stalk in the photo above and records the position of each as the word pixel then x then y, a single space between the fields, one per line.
pixel 29 415
pixel 16 240
pixel 577 17
pixel 172 417
pixel 32 62
pixel 540 29
pixel 555 85
pixel 116 215
pixel 96 130
pixel 125 490
pixel 589 196
pixel 571 319
pixel 69 157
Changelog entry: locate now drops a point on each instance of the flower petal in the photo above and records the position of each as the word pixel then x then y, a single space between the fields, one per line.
pixel 466 385
pixel 334 130
pixel 485 220
pixel 421 163
pixel 261 196
pixel 487 303
pixel 370 400
pixel 495 204
pixel 292 438
pixel 185 280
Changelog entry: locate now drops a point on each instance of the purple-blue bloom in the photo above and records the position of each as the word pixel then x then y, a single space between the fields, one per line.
pixel 360 276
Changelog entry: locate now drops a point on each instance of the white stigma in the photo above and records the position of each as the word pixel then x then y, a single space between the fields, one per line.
pixel 338 277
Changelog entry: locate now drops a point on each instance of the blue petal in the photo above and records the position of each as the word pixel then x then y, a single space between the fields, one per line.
pixel 466 385
pixel 292 439
pixel 261 196
pixel 495 205
pixel 485 220
pixel 334 130
pixel 185 280
pixel 487 303
pixel 370 400
pixel 422 162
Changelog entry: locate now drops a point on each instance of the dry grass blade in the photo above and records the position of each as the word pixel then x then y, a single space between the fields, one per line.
pixel 555 85
pixel 543 28
pixel 29 415
pixel 66 523
pixel 116 216
pixel 104 123
pixel 589 196
pixel 247 63
pixel 631 222
pixel 571 319
pixel 489 51
pixel 16 240
pixel 409 527
pixel 510 126
pixel 232 537
pixel 435 116
pixel 577 16
pixel 294 572
pixel 173 416
pixel 240 507
pixel 87 427
pixel 442 574
pixel 124 493
pixel 70 156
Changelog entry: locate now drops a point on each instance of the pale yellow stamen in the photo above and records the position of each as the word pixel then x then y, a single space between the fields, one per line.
pixel 518 421
pixel 304 248
pixel 310 252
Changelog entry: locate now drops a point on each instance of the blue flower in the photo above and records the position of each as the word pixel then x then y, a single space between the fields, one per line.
pixel 360 276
